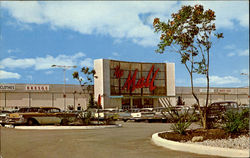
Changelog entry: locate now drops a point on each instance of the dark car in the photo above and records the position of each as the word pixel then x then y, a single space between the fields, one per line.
pixel 217 109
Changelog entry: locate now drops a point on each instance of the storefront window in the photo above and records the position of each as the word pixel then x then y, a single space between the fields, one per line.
pixel 137 103
pixel 148 103
pixel 126 103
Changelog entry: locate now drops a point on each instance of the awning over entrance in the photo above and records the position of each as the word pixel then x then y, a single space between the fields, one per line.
pixel 121 96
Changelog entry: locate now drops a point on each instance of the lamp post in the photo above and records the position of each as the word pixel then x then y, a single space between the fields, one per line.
pixel 64 67
pixel 244 74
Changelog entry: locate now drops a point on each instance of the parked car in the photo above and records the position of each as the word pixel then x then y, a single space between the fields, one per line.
pixel 144 114
pixel 217 109
pixel 161 113
pixel 124 115
pixel 3 115
pixel 40 116
pixel 103 113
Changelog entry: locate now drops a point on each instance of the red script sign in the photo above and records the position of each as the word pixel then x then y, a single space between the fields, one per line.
pixel 130 82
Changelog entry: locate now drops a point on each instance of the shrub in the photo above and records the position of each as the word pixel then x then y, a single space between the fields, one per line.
pixel 86 117
pixel 184 120
pixel 236 121
pixel 180 127
pixel 108 120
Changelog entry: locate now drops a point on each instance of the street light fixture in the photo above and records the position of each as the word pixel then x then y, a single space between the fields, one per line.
pixel 245 74
pixel 64 67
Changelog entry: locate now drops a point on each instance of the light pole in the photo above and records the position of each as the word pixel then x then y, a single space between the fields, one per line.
pixel 244 74
pixel 64 67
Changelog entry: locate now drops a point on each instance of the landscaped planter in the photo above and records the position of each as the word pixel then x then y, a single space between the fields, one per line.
pixel 67 127
pixel 198 149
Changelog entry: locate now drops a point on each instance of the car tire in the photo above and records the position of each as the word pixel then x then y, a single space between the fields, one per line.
pixel 32 122
pixel 125 120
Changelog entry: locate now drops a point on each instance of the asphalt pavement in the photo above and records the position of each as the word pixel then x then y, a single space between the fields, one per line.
pixel 133 140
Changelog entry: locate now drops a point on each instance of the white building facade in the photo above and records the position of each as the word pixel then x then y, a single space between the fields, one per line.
pixel 128 85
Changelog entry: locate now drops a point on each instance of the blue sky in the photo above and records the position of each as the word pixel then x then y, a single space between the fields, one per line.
pixel 35 35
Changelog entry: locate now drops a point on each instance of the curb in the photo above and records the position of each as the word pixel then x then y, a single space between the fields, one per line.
pixel 64 127
pixel 198 149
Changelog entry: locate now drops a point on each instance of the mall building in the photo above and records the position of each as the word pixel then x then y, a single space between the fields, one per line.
pixel 120 84
pixel 133 84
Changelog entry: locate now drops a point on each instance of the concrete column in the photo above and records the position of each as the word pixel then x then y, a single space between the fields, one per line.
pixel 29 100
pixel 74 100
pixel 170 79
pixel 131 103
pixel 52 99
pixel 5 104
pixel 102 82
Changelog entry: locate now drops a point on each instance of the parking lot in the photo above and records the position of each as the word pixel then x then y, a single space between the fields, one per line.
pixel 133 140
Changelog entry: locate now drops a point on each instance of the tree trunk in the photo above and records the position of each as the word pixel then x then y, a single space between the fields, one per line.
pixel 204 119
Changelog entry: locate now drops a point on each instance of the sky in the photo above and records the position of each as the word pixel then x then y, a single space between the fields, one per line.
pixel 35 35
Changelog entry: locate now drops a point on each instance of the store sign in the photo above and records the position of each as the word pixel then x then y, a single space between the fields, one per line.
pixel 224 91
pixel 130 83
pixel 205 90
pixel 7 87
pixel 37 87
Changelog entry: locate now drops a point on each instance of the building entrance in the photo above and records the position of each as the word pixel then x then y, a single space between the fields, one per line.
pixel 137 103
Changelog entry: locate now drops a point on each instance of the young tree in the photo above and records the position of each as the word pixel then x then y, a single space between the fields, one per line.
pixel 90 75
pixel 189 33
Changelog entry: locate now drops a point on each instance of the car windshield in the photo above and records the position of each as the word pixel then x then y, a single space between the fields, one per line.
pixel 23 110
pixel 4 112
pixel 32 109
pixel 145 110
pixel 53 110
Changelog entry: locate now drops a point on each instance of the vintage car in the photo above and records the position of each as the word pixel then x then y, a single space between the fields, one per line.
pixel 40 116
pixel 144 114
pixel 124 115
pixel 106 113
pixel 3 116
pixel 216 110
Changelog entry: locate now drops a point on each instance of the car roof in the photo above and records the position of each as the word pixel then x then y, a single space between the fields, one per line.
pixel 49 108
pixel 219 102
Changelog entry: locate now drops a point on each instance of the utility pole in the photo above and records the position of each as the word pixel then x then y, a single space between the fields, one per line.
pixel 64 67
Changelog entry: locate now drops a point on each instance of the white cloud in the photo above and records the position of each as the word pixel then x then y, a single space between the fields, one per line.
pixel 244 52
pixel 230 46
pixel 31 12
pixel 238 52
pixel 117 41
pixel 41 63
pixel 88 62
pixel 238 14
pixel 217 80
pixel 231 54
pixel 17 63
pixel 19 25
pixel 9 75
pixel 120 20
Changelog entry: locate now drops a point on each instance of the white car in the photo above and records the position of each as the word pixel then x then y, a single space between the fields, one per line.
pixel 3 115
pixel 142 114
